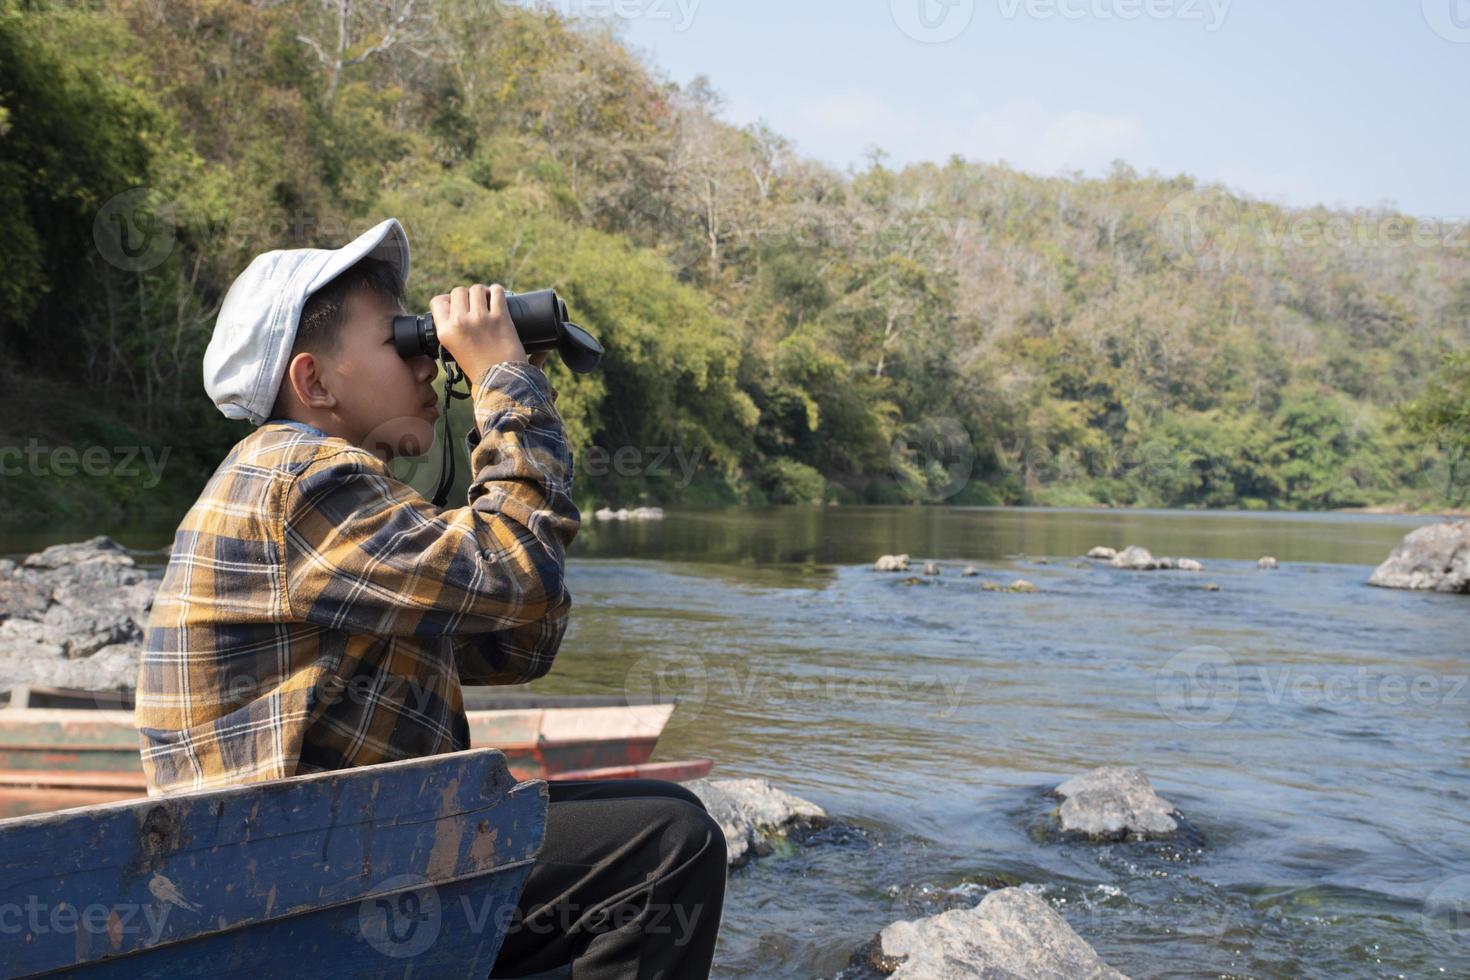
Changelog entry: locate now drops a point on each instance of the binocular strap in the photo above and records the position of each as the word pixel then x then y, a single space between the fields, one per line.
pixel 452 375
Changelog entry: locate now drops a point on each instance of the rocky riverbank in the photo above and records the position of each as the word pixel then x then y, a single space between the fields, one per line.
pixel 74 616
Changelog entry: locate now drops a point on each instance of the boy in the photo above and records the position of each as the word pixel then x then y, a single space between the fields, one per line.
pixel 317 613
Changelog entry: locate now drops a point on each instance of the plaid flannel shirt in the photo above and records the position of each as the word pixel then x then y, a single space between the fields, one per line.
pixel 317 613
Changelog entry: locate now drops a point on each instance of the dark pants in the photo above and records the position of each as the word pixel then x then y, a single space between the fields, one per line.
pixel 629 885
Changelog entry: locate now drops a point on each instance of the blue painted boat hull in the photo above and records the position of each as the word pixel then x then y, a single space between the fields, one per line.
pixel 404 869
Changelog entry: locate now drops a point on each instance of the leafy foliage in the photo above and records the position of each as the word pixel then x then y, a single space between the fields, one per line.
pixel 1128 340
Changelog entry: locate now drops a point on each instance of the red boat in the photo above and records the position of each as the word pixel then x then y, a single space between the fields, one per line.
pixel 62 747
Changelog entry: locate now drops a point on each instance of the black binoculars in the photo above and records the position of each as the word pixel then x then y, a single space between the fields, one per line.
pixel 540 320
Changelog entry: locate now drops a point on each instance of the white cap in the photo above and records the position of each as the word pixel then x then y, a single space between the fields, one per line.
pixel 247 356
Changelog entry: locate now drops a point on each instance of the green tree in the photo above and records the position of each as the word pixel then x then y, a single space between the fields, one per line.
pixel 1441 417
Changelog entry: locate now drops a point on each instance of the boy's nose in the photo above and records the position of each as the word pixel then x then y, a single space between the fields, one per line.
pixel 428 368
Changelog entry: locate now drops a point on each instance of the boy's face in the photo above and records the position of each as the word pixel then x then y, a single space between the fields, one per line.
pixel 385 403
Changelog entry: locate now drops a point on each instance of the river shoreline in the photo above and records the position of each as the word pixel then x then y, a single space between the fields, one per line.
pixel 1316 744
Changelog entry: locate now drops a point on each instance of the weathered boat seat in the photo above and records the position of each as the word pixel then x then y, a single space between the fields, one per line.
pixel 62 747
pixel 404 869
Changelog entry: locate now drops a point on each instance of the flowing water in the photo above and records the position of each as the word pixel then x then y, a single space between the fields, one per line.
pixel 1314 731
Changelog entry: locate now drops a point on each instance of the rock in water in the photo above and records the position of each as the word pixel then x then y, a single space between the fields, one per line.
pixel 751 812
pixel 1106 554
pixel 970 571
pixel 1115 803
pixel 1019 585
pixel 1139 559
pixel 1267 563
pixel 891 563
pixel 931 568
pixel 98 550
pixel 1010 935
pixel 624 514
pixel 1135 558
pixel 1436 557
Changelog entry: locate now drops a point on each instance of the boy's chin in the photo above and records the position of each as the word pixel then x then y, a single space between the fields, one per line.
pixel 400 438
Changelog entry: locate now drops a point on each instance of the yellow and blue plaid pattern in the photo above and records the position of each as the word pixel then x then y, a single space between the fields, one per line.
pixel 317 613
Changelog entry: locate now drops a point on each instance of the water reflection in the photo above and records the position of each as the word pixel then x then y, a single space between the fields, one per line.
pixel 746 536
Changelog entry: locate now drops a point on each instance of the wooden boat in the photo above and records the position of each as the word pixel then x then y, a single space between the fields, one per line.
pixel 62 747
pixel 409 868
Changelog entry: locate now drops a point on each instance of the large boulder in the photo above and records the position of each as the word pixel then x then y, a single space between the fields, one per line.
pixel 1436 557
pixel 1135 558
pixel 74 615
pixel 98 550
pixel 752 813
pixel 1010 935
pixel 112 668
pixel 1115 803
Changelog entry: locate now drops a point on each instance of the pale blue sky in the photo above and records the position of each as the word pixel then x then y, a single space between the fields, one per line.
pixel 1353 102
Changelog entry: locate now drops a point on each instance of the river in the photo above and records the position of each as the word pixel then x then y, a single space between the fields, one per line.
pixel 1313 731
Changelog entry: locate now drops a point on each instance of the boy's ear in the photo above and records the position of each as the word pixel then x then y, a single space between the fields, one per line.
pixel 304 375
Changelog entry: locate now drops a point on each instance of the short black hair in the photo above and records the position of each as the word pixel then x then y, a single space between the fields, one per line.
pixel 326 309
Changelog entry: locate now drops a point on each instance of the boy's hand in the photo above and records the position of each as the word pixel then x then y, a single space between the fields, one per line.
pixel 474 325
